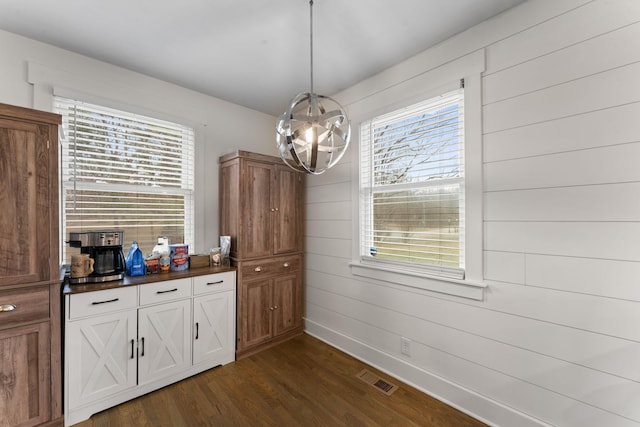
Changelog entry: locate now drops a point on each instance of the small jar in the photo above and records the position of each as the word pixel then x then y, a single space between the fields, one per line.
pixel 214 256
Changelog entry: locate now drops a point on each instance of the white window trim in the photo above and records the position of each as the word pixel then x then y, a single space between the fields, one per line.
pixel 472 286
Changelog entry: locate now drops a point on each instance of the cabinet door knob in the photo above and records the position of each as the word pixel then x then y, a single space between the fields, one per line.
pixel 277 209
pixel 286 264
pixel 258 269
pixel 275 308
pixel 7 307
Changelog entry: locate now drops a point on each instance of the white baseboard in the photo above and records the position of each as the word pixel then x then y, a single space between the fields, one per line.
pixel 478 406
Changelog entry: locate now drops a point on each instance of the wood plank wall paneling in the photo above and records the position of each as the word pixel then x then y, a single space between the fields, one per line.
pixel 556 339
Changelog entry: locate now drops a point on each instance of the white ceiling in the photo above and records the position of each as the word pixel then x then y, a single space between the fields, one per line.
pixel 250 52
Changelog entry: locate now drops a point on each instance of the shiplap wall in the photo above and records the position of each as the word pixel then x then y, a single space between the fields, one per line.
pixel 556 339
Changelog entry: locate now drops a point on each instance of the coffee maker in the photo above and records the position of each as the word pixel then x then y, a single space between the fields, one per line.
pixel 105 247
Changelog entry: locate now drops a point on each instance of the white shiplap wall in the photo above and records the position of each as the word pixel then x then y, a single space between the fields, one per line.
pixel 556 339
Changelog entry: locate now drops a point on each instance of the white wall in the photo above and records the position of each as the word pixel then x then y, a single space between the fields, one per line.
pixel 556 339
pixel 30 71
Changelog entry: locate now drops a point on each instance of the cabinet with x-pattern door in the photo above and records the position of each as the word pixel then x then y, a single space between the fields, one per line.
pixel 125 341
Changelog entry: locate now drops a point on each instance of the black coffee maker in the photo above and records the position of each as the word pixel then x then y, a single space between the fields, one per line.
pixel 105 247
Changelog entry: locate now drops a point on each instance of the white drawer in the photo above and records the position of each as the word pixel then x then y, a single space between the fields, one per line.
pixel 105 301
pixel 170 290
pixel 214 283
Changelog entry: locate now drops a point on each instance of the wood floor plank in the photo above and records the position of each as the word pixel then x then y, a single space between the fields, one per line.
pixel 302 382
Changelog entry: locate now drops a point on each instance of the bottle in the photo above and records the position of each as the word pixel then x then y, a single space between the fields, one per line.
pixel 161 250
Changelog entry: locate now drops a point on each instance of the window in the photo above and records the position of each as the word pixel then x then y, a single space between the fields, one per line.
pixel 412 187
pixel 122 171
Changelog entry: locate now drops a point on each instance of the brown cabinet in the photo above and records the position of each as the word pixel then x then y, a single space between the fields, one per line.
pixel 269 300
pixel 30 349
pixel 261 208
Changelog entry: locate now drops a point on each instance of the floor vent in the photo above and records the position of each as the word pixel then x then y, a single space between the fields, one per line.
pixel 377 382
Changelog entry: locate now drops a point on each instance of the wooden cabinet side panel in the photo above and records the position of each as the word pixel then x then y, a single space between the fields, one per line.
pixel 24 374
pixel 56 350
pixel 230 202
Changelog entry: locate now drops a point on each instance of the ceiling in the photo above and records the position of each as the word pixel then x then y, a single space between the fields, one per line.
pixel 253 53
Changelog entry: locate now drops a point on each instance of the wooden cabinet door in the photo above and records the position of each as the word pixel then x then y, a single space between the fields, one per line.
pixel 24 375
pixel 26 201
pixel 287 218
pixel 256 235
pixel 101 356
pixel 164 340
pixel 286 298
pixel 255 308
pixel 214 329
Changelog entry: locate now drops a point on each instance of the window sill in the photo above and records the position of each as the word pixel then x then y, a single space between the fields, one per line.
pixel 445 285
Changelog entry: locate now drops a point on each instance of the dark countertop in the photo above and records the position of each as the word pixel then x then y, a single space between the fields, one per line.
pixel 140 280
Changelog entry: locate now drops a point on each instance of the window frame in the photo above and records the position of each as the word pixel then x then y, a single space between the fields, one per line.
pixel 468 68
pixel 369 187
pixel 187 185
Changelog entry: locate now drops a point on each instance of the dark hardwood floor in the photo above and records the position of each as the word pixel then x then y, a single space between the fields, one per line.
pixel 303 382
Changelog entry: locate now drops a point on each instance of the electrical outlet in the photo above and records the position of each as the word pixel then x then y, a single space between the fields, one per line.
pixel 405 346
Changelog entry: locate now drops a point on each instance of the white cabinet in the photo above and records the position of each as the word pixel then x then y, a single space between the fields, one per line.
pixel 102 356
pixel 164 329
pixel 123 342
pixel 164 340
pixel 213 305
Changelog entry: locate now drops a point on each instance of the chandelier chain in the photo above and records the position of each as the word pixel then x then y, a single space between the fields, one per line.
pixel 311 40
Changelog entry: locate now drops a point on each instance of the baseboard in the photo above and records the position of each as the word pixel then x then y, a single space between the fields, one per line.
pixel 478 406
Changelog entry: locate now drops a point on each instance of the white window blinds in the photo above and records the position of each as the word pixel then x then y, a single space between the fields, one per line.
pixel 126 172
pixel 412 187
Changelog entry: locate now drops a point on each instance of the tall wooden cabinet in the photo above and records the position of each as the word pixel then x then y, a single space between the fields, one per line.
pixel 30 346
pixel 261 208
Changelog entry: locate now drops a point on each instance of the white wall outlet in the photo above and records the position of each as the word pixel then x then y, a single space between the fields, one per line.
pixel 405 346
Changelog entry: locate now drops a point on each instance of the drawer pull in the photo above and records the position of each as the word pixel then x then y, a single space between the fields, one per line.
pixel 285 265
pixel 104 302
pixel 7 307
pixel 258 269
pixel 167 291
pixel 215 283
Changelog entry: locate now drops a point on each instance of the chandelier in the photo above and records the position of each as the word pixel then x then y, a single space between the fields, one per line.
pixel 314 131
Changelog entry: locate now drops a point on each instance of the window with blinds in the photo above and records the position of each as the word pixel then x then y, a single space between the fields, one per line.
pixel 122 171
pixel 412 187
